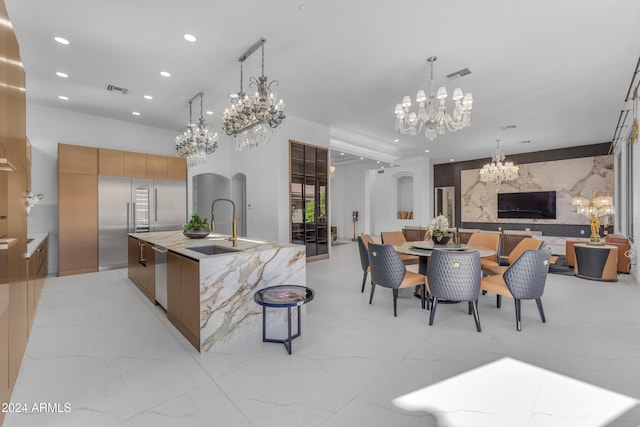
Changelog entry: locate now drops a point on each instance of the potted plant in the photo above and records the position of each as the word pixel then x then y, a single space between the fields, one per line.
pixel 196 228
pixel 439 230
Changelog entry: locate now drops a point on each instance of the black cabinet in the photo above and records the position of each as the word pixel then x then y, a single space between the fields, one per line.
pixel 308 198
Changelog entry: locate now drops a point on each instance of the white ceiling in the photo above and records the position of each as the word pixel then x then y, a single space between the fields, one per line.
pixel 558 70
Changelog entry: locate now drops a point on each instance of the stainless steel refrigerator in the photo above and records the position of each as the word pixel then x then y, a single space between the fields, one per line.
pixel 135 205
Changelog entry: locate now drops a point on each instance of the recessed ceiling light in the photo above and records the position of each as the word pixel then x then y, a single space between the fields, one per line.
pixel 148 97
pixel 342 154
pixel 61 40
pixel 61 74
pixel 165 74
pixel 64 98
pixel 452 160
pixel 135 113
pixel 396 140
pixel 209 112
pixel 190 37
pixel 378 161
pixel 391 164
pixel 303 7
pixel 426 151
pixel 361 158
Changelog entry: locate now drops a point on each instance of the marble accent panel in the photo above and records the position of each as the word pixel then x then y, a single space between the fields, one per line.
pixel 228 283
pixel 567 177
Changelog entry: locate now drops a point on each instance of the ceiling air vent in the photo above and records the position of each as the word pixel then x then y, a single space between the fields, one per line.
pixel 459 73
pixel 380 170
pixel 114 88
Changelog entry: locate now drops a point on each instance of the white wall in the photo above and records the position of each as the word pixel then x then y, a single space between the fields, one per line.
pixel 266 167
pixel 46 127
pixel 383 191
pixel 348 194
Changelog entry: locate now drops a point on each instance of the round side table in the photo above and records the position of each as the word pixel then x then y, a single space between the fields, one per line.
pixel 283 296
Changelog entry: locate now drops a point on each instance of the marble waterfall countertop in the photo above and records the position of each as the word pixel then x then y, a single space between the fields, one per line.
pixel 229 280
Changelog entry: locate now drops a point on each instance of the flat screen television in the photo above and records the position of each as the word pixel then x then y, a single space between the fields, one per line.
pixel 533 205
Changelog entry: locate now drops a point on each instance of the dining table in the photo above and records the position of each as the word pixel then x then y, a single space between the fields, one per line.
pixel 424 248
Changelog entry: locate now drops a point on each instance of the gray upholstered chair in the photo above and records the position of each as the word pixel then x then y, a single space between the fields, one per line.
pixel 455 276
pixel 388 270
pixel 364 259
pixel 524 279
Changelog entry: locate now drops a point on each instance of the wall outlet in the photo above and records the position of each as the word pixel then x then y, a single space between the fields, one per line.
pixel 527 229
pixel 499 228
pixel 581 231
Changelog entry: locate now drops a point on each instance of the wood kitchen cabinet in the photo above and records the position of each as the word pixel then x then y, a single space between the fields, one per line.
pixel 135 164
pixel 110 162
pixel 157 166
pixel 177 168
pixel 77 159
pixel 141 263
pixel 183 296
pixel 78 223
pixel 37 268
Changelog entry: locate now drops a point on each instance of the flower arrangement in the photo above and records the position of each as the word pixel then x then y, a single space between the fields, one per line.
pixel 439 227
pixel 32 199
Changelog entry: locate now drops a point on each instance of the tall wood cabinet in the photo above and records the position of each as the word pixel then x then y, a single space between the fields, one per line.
pixel 13 215
pixel 78 209
pixel 79 169
pixel 309 194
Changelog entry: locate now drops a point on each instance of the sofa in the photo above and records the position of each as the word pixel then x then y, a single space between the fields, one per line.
pixel 618 240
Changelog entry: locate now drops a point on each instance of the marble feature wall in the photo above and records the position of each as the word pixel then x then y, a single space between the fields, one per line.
pixel 228 283
pixel 567 177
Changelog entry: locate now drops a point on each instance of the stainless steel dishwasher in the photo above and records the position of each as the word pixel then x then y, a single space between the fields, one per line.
pixel 161 275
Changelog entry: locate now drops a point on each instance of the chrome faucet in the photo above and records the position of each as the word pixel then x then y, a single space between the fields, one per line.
pixel 234 223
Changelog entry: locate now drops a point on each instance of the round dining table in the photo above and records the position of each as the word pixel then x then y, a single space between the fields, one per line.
pixel 424 248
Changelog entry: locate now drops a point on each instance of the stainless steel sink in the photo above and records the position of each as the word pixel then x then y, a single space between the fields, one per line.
pixel 213 249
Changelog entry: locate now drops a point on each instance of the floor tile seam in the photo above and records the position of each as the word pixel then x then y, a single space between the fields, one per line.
pixel 186 394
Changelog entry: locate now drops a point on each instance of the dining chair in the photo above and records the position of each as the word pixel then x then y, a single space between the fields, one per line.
pixel 397 238
pixel 490 241
pixel 524 279
pixel 364 258
pixel 454 276
pixel 528 243
pixel 388 270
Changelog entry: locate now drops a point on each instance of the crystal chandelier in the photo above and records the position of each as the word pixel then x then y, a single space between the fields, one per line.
pixel 196 142
pixel 593 209
pixel 498 171
pixel 250 119
pixel 432 113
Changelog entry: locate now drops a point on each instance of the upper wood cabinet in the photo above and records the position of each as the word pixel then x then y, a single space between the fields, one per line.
pixel 140 165
pixel 157 166
pixel 135 164
pixel 77 159
pixel 110 162
pixel 177 168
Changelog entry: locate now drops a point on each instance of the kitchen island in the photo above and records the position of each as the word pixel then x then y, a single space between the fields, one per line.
pixel 210 283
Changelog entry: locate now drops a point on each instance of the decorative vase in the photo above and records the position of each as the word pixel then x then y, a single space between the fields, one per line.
pixel 440 240
pixel 193 233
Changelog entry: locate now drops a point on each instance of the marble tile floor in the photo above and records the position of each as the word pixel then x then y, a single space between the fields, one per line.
pixel 100 346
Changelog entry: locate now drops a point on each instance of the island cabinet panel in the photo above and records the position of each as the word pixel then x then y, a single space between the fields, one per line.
pixel 183 296
pixel 140 261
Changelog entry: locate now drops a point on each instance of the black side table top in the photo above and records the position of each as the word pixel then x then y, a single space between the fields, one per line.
pixel 283 296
